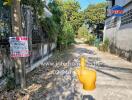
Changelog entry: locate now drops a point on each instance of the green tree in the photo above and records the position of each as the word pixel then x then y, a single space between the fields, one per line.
pixel 71 8
pixel 68 35
pixel 63 11
pixel 38 6
pixel 55 7
pixel 73 14
pixel 95 13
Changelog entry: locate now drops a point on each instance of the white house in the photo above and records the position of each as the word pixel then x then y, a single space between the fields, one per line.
pixel 119 29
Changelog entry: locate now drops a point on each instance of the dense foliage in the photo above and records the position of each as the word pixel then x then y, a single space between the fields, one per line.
pixel 72 14
pixel 38 6
pixel 87 37
pixel 68 19
pixel 105 45
pixel 83 31
pixel 50 28
pixel 95 13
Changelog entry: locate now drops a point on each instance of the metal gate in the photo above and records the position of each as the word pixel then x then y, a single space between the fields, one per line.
pixel 5 32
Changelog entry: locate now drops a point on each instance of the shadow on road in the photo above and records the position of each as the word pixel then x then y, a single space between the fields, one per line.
pixel 108 74
pixel 115 68
pixel 88 97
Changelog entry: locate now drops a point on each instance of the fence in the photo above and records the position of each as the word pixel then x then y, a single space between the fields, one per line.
pixel 39 47
pixel 5 32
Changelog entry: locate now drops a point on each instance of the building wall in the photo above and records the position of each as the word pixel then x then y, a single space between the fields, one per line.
pixel 121 2
pixel 120 35
pixel 117 2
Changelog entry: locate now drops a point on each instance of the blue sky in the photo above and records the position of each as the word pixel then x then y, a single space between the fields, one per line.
pixel 85 3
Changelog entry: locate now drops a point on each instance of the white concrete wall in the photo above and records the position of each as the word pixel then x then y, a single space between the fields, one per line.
pixel 121 2
pixel 122 35
pixel 43 51
pixel 110 33
pixel 117 2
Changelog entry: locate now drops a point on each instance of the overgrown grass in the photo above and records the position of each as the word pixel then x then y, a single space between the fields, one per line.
pixel 105 45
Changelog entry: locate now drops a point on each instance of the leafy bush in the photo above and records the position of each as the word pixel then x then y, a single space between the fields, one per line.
pixel 67 35
pixel 83 32
pixel 105 45
pixel 68 32
pixel 90 39
pixel 49 25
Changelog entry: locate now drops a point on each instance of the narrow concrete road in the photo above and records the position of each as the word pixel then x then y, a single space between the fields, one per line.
pixel 114 76
pixel 56 80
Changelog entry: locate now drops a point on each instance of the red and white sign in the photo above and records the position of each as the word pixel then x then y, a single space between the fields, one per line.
pixel 19 46
pixel 117 12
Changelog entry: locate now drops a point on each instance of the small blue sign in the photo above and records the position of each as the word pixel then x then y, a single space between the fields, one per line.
pixel 117 11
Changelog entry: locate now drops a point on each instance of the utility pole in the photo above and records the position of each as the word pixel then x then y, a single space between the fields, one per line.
pixel 17 31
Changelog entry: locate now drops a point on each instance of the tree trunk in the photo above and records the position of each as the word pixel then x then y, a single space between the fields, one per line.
pixel 17 31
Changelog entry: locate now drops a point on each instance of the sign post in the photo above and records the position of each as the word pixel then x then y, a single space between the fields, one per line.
pixel 19 46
